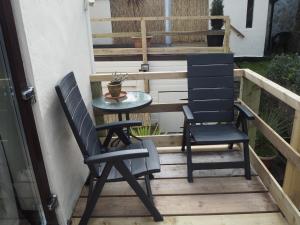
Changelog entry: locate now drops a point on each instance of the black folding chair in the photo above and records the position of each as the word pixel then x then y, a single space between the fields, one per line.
pixel 209 114
pixel 127 164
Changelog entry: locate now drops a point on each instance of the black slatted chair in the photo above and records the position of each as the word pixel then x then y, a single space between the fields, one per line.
pixel 105 165
pixel 209 115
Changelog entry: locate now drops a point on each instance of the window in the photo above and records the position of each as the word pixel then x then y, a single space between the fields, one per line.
pixel 250 9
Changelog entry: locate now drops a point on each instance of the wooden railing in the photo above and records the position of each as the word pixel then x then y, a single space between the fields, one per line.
pixel 252 83
pixel 145 50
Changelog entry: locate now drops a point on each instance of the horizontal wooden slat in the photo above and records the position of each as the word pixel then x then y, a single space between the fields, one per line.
pixel 210 70
pixel 211 82
pixel 236 219
pixel 210 93
pixel 115 35
pixel 182 205
pixel 212 59
pixel 151 75
pixel 183 50
pixel 117 51
pixel 155 51
pixel 209 185
pixel 115 19
pixel 213 116
pixel 281 145
pixel 201 157
pixel 211 105
pixel 274 89
pixel 155 33
pixel 180 171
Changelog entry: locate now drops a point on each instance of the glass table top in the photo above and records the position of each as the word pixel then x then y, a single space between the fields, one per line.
pixel 133 100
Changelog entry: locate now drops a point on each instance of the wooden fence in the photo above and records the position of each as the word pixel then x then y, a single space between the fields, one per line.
pixel 145 50
pixel 252 83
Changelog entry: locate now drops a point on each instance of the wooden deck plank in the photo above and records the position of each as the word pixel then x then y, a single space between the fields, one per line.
pixel 180 171
pixel 182 187
pixel 237 219
pixel 182 205
pixel 201 157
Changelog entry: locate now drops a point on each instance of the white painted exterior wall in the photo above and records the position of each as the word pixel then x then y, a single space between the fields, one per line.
pixel 251 46
pixel 55 39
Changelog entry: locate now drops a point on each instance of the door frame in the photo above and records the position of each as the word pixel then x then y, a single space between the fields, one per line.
pixel 15 61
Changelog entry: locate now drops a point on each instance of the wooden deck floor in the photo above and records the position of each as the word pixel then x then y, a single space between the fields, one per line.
pixel 217 197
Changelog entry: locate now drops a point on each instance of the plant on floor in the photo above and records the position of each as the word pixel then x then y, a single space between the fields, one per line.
pixel 115 85
pixel 264 149
pixel 145 130
pixel 217 9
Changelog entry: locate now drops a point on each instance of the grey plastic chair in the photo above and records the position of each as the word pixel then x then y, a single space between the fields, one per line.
pixel 106 165
pixel 209 114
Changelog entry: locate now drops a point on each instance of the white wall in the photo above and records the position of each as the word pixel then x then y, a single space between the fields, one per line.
pixel 55 39
pixel 254 42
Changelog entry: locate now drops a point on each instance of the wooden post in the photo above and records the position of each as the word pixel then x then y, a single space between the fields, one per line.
pixel 226 35
pixel 250 94
pixel 291 184
pixel 144 50
pixel 96 88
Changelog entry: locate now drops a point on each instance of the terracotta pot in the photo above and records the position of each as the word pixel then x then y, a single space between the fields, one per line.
pixel 268 160
pixel 137 41
pixel 114 89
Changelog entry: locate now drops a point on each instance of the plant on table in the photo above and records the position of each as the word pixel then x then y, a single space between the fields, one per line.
pixel 115 85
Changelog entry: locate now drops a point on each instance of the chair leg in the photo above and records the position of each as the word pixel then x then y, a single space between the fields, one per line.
pixel 148 188
pixel 183 143
pixel 189 157
pixel 94 194
pixel 124 171
pixel 247 161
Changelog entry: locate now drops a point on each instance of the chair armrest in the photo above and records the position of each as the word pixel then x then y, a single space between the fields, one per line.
pixel 244 111
pixel 120 124
pixel 188 114
pixel 117 156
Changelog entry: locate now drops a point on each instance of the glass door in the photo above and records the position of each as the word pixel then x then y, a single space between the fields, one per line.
pixel 19 199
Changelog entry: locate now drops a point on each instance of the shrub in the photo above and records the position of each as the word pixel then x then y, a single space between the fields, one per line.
pixel 285 70
pixel 217 10
pixel 280 123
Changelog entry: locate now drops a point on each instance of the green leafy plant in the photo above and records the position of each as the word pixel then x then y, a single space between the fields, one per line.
pixel 145 130
pixel 217 9
pixel 279 123
pixel 285 70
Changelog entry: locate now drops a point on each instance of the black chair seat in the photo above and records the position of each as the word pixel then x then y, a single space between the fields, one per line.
pixel 217 134
pixel 138 166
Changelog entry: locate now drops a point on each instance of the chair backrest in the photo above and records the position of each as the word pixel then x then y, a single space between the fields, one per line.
pixel 78 116
pixel 211 87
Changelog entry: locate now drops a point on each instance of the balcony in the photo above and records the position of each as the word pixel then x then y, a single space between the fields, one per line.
pixel 216 196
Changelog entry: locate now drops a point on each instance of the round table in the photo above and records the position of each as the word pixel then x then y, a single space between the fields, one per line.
pixel 134 100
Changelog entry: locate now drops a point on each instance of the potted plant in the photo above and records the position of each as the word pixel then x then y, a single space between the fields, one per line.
pixel 115 85
pixel 215 36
